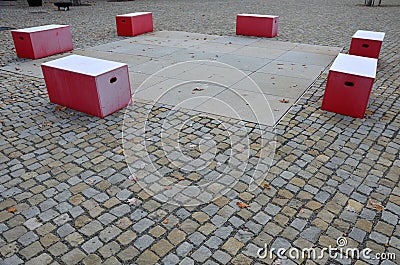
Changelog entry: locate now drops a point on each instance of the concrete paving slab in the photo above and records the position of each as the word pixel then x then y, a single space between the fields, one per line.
pixel 184 94
pixel 167 42
pixel 140 81
pixel 274 44
pixel 181 35
pixel 277 85
pixel 318 49
pixel 175 70
pixel 259 52
pixel 129 59
pixel 213 47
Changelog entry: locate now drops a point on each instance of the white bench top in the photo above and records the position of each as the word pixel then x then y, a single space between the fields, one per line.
pixel 257 15
pixel 84 65
pixel 40 28
pixel 355 65
pixel 134 14
pixel 369 35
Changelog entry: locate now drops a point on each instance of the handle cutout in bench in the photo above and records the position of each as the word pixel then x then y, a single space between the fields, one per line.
pixel 113 80
pixel 348 83
pixel 365 45
pixel 21 38
pixel 123 20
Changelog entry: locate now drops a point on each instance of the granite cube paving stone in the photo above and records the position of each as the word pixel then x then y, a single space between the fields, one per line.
pixel 28 238
pixel 73 257
pixel 183 249
pixel 109 250
pixel 109 233
pixel 58 249
pixel 311 234
pixel 171 259
pixel 201 254
pixel 106 218
pixel 14 233
pixel 214 242
pixel 91 228
pixel 65 230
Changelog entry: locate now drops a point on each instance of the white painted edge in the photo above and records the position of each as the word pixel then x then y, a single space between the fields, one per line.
pixel 40 28
pixel 355 65
pixel 369 35
pixel 134 14
pixel 257 15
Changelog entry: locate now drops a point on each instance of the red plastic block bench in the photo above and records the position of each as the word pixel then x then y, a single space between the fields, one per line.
pixel 366 43
pixel 134 24
pixel 349 85
pixel 43 41
pixel 96 87
pixel 257 25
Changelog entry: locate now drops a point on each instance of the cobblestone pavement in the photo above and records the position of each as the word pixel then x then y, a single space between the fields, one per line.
pixel 66 192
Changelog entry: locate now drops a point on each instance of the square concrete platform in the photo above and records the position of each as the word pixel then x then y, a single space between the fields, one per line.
pixel 198 71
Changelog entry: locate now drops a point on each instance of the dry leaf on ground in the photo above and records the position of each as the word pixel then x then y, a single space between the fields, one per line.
pixel 60 108
pixel 90 181
pixel 12 209
pixel 165 221
pixel 267 186
pixel 242 205
pixel 350 209
pixel 45 124
pixel 284 100
pixel 180 178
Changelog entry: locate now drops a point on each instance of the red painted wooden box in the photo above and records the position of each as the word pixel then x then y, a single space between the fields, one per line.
pixel 366 43
pixel 349 85
pixel 257 25
pixel 90 85
pixel 43 41
pixel 134 24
